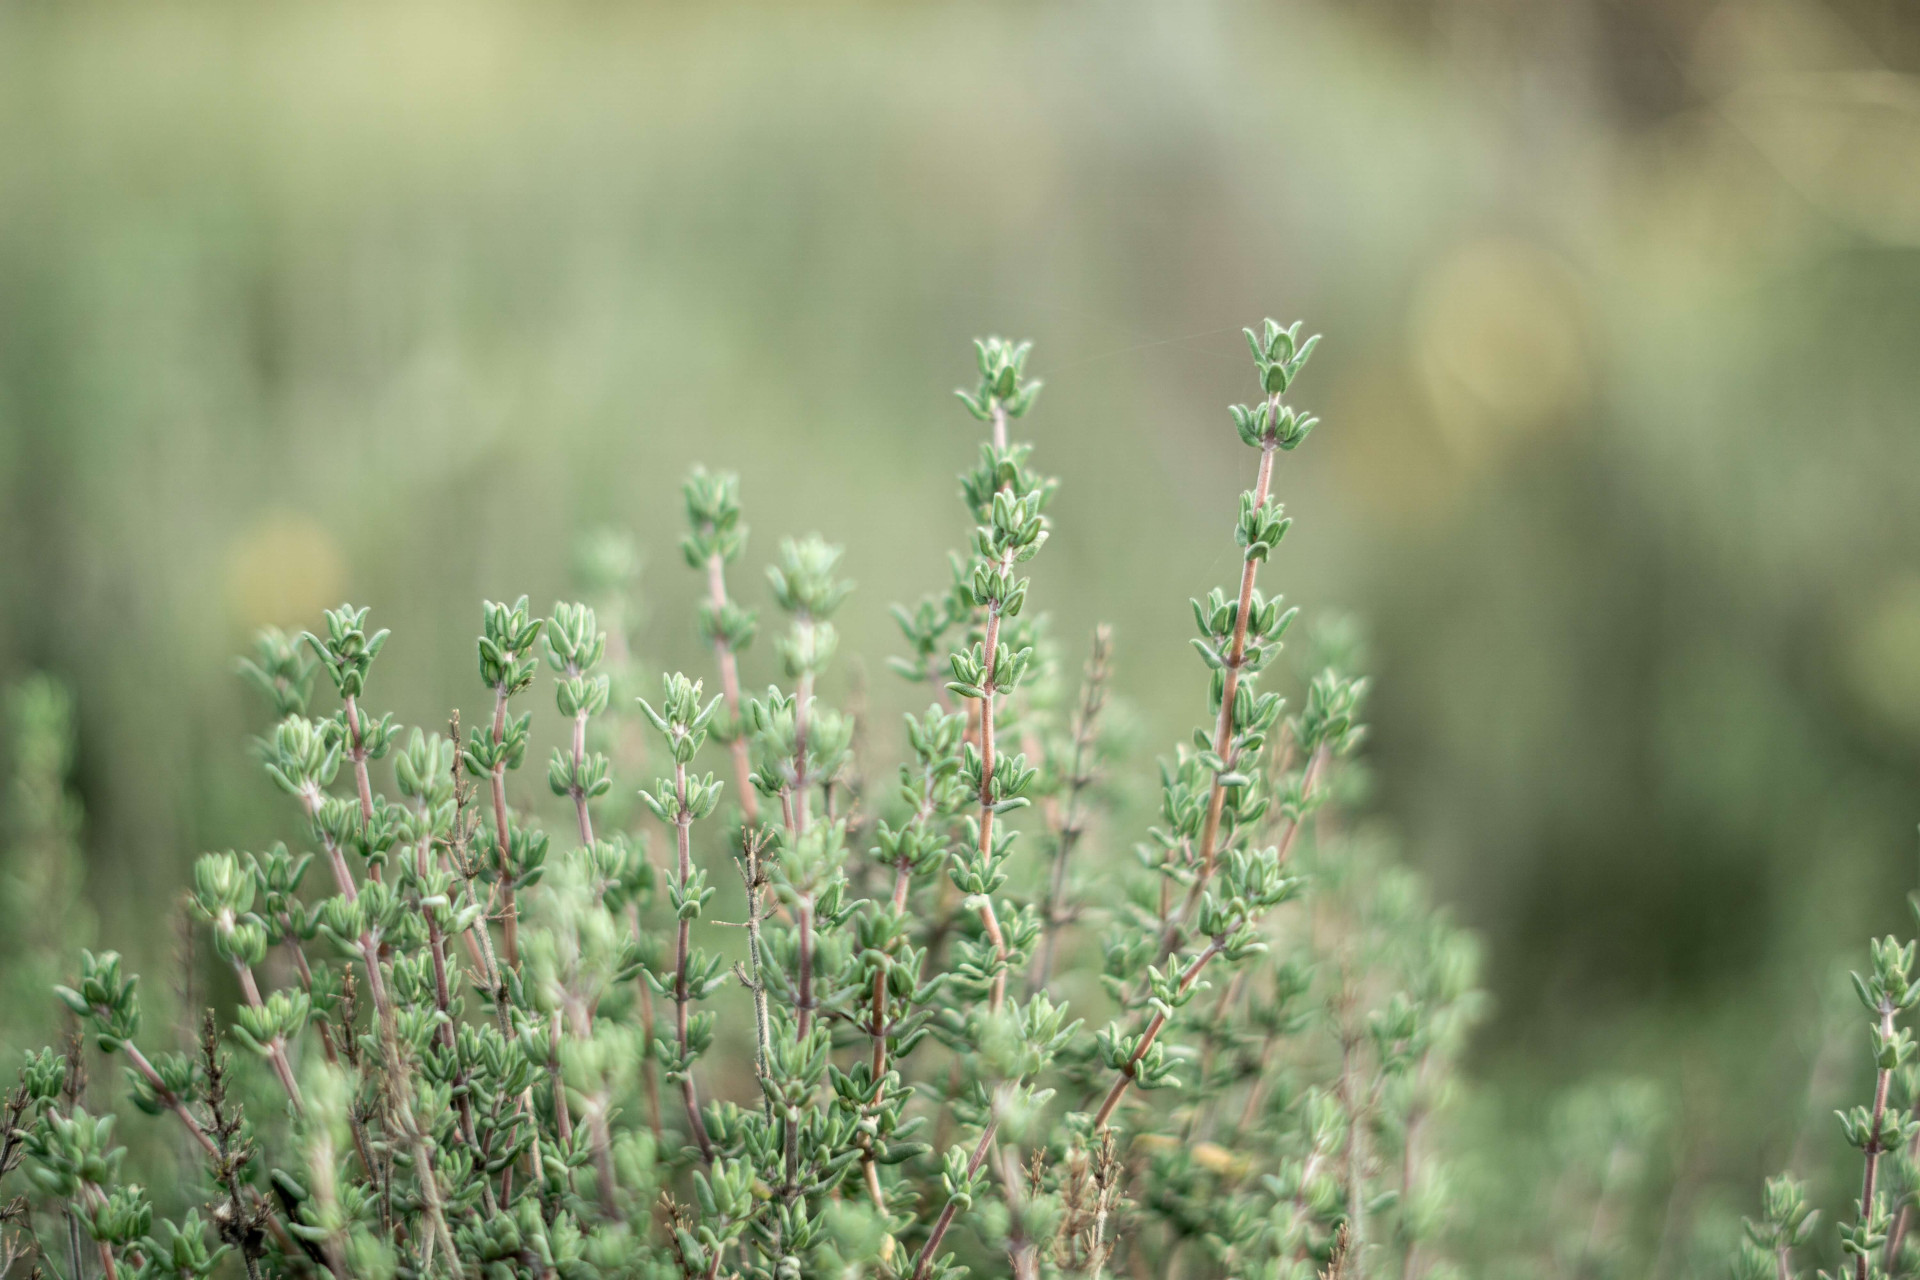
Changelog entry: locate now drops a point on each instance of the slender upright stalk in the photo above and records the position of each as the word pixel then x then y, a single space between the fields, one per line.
pixel 73 1245
pixel 648 1025
pixel 1882 1081
pixel 562 1117
pixel 683 844
pixel 401 1092
pixel 803 995
pixel 729 664
pixel 1207 853
pixel 988 919
pixel 752 872
pixel 387 1024
pixel 357 750
pixel 497 781
pixel 443 1003
pixel 756 884
pixel 583 818
pixel 1093 698
pixel 479 937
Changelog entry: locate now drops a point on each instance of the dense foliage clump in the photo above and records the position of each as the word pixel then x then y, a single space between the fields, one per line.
pixel 950 1016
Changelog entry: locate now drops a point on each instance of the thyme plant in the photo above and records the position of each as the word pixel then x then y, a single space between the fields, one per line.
pixel 485 1032
pixel 1875 1237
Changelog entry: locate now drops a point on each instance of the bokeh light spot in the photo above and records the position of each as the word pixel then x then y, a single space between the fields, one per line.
pixel 1499 342
pixel 282 571
pixel 1882 654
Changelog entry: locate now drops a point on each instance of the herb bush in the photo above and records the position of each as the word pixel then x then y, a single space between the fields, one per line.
pixel 471 1044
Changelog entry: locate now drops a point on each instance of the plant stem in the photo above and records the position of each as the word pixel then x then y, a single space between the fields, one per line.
pixel 1093 697
pixel 1309 784
pixel 306 984
pixel 166 1095
pixel 584 818
pixel 877 1022
pixel 1881 1083
pixel 562 1117
pixel 1223 727
pixel 401 1092
pixel 945 1220
pixel 357 749
pixel 683 843
pixel 1187 978
pixel 277 1047
pixel 390 1051
pixel 729 666
pixel 443 1001
pixel 1020 1248
pixel 803 994
pixel 647 1025
pixel 497 779
pixel 73 1245
pixel 988 919
pixel 1350 1041
pixel 762 1023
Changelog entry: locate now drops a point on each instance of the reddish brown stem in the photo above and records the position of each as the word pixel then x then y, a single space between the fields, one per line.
pixel 1884 1079
pixel 166 1095
pixel 803 997
pixel 877 1023
pixel 306 984
pixel 1223 726
pixel 357 748
pixel 277 1048
pixel 1187 979
pixel 579 792
pixel 342 873
pixel 369 950
pixel 443 1001
pixel 497 780
pixel 95 1198
pixel 945 1220
pixel 1902 1220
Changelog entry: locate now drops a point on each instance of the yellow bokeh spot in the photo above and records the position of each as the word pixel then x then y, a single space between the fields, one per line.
pixel 1499 342
pixel 282 571
pixel 1881 653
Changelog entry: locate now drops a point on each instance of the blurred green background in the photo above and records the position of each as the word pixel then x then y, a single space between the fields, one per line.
pixel 1619 460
